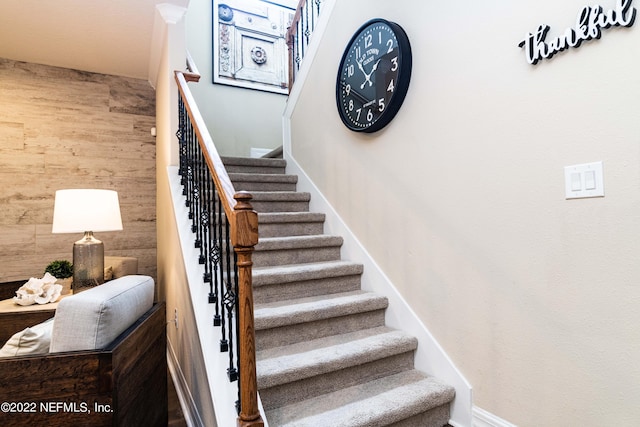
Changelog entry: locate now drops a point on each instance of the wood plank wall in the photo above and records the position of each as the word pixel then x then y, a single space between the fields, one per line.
pixel 62 128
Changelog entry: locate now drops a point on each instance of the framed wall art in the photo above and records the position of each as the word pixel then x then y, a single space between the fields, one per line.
pixel 249 43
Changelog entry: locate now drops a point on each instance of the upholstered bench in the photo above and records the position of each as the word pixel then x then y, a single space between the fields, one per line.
pixel 105 364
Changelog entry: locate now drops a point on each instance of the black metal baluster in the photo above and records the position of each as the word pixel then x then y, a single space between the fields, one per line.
pixel 296 53
pixel 182 148
pixel 193 150
pixel 312 21
pixel 230 300
pixel 197 220
pixel 224 342
pixel 299 40
pixel 206 220
pixel 189 159
pixel 187 151
pixel 215 258
pixel 196 195
pixel 237 310
pixel 190 172
pixel 304 27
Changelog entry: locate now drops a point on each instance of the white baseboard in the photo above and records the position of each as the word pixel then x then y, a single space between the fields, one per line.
pixel 482 418
pixel 189 409
pixel 255 152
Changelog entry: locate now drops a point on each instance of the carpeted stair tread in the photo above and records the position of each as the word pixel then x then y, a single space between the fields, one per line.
pixel 256 182
pixel 296 249
pixel 292 281
pixel 289 217
pixel 297 242
pixel 251 177
pixel 281 365
pixel 376 403
pixel 253 161
pixel 311 309
pixel 300 272
pixel 280 224
pixel 281 196
pixel 280 201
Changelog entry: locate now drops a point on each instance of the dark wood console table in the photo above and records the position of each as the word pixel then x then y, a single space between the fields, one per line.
pixel 8 289
pixel 14 317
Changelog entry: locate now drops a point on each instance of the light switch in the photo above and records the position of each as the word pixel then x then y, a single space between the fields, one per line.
pixel 576 181
pixel 585 180
pixel 589 180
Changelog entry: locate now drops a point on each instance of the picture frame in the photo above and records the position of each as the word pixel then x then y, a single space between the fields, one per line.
pixel 249 43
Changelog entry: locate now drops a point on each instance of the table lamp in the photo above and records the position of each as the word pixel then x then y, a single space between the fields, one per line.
pixel 86 211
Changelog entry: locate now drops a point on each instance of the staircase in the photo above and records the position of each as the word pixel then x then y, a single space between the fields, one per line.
pixel 325 357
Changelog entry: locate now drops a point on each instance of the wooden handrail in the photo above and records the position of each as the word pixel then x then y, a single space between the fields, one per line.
pixel 243 222
pixel 192 75
pixel 218 171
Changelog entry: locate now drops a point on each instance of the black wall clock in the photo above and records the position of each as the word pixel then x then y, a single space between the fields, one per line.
pixel 374 75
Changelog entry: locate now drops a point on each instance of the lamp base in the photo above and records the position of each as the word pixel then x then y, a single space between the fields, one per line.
pixel 88 263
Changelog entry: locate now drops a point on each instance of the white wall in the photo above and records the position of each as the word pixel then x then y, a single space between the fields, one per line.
pixel 185 355
pixel 461 200
pixel 238 119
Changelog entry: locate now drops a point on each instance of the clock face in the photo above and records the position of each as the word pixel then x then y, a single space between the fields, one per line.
pixel 373 76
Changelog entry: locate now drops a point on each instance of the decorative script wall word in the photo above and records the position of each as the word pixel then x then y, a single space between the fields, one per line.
pixel 589 25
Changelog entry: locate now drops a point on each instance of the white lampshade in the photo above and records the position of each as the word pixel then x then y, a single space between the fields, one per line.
pixel 77 211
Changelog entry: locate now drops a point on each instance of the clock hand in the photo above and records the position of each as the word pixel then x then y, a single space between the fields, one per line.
pixel 368 76
pixel 356 94
pixel 366 79
pixel 373 70
pixel 360 66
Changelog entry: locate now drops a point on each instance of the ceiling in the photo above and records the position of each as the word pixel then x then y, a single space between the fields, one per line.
pixel 104 36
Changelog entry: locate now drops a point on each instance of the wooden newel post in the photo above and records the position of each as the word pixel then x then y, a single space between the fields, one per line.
pixel 290 42
pixel 244 238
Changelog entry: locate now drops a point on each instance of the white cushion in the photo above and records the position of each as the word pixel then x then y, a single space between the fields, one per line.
pixel 92 319
pixel 32 340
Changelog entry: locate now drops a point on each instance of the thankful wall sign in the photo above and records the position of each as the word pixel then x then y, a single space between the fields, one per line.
pixel 589 25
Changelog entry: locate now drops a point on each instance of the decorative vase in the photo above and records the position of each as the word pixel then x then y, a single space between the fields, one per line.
pixel 66 285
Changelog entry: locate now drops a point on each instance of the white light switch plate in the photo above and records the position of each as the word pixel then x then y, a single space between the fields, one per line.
pixel 585 180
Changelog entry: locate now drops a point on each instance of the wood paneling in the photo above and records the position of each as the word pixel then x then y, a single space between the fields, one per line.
pixel 63 128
